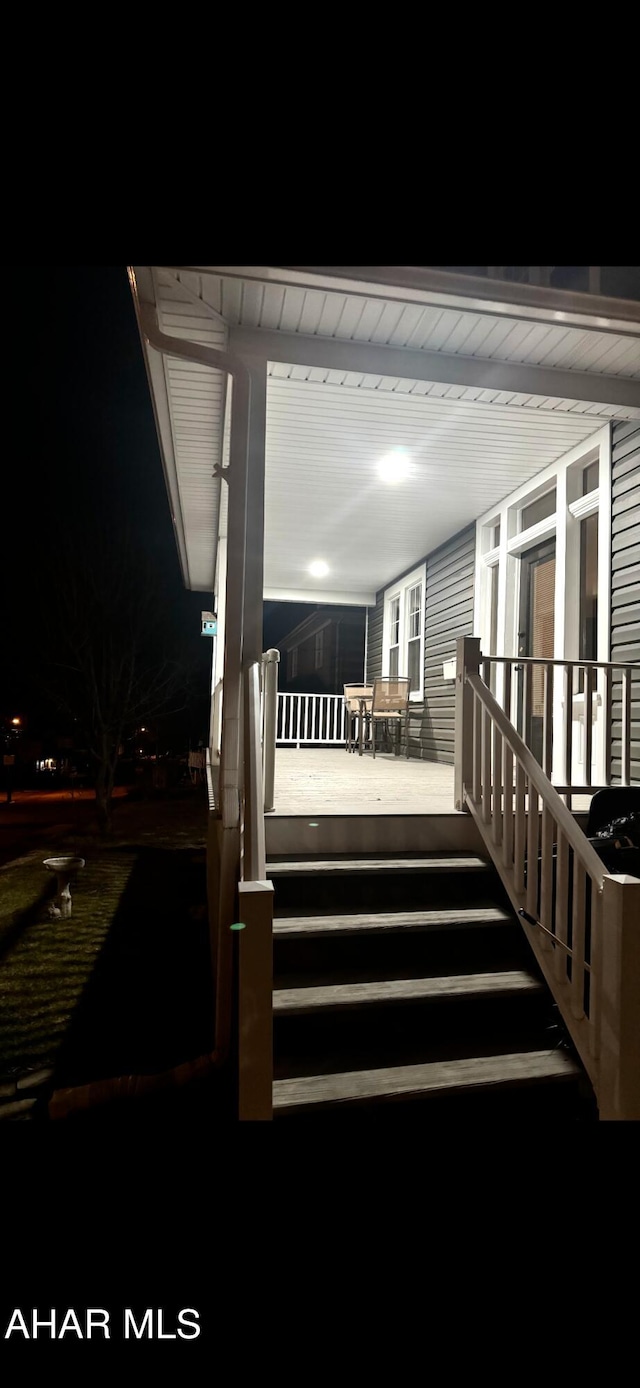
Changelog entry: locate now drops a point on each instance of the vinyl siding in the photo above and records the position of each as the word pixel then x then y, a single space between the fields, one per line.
pixel 448 614
pixel 625 583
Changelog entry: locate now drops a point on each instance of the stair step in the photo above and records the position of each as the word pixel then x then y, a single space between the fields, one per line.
pixel 339 995
pixel 389 921
pixel 334 866
pixel 409 1081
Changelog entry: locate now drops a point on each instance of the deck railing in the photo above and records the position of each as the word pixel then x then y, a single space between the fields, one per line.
pixel 575 715
pixel 308 719
pixel 582 923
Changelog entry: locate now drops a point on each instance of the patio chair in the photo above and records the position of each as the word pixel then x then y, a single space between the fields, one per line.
pixel 352 696
pixel 390 704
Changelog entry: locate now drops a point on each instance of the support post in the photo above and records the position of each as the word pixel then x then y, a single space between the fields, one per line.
pixel 619 990
pixel 255 1002
pixel 254 569
pixel 270 668
pixel 467 663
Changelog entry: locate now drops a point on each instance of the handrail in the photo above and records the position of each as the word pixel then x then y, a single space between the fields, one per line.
pixel 580 920
pixel 563 817
pixel 570 660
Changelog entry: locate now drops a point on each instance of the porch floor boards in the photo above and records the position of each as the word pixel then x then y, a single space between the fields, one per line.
pixel 330 781
pixel 319 780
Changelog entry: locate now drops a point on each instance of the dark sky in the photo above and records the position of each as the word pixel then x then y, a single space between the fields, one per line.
pixel 83 450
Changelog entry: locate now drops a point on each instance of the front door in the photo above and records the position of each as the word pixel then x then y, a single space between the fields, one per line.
pixel 536 635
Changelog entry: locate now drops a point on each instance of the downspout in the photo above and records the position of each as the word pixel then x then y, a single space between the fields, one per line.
pixel 66 1101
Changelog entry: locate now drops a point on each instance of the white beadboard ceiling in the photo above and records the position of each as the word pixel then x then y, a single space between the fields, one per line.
pixel 325 500
pixel 327 428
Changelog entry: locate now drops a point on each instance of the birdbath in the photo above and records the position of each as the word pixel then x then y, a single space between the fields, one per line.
pixel 65 869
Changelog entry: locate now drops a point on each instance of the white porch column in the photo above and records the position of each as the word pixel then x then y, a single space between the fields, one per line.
pixel 254 575
pixel 217 671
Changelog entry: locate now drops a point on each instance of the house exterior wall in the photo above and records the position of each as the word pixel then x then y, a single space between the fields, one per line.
pixel 625 582
pixel 342 653
pixel 450 577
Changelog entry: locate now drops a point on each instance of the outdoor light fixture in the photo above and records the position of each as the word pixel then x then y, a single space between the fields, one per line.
pixel 318 569
pixel 15 722
pixel 395 466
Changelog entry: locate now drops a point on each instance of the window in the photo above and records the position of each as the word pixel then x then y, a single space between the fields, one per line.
pixel 319 651
pixel 403 630
pixel 293 663
pixel 414 622
pixel 568 615
pixel 394 647
pixel 590 477
pixel 493 629
pixel 589 588
pixel 538 510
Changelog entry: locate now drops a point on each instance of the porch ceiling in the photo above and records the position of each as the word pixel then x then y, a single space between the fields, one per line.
pixel 470 444
pixel 325 499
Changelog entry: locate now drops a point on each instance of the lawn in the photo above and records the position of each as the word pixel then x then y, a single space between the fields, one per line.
pixel 123 985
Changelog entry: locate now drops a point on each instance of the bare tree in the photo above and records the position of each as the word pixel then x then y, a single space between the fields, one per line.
pixel 109 663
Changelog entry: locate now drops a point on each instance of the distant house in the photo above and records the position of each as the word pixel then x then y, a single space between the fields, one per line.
pixel 324 652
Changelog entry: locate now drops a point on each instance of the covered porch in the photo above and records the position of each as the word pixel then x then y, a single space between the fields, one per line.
pixel 368 426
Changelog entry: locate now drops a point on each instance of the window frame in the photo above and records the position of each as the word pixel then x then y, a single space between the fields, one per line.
pixel 401 590
pixel 572 506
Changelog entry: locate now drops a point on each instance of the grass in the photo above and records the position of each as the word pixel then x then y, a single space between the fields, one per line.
pixel 123 985
pixel 23 891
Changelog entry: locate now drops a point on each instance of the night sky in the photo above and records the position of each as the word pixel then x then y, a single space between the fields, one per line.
pixel 83 452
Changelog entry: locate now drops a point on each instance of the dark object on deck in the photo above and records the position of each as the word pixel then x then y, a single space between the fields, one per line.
pixel 613 828
pixel 612 804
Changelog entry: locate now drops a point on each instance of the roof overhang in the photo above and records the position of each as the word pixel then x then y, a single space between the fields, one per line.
pixel 482 393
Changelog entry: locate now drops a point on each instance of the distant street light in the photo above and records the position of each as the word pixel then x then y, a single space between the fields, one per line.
pixel 15 722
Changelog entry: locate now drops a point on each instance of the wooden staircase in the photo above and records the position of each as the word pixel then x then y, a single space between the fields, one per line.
pixel 406 981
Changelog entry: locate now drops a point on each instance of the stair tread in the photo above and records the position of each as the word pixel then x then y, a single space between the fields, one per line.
pixel 392 920
pixel 403 989
pixel 329 866
pixel 431 1077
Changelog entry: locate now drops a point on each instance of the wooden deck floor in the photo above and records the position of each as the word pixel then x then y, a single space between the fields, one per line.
pixel 330 781
pixel 318 780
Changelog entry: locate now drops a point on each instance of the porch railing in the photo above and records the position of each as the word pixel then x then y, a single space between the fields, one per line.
pixel 305 719
pixel 582 923
pixel 580 712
